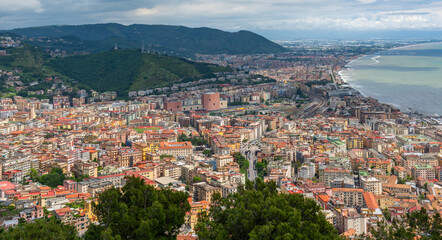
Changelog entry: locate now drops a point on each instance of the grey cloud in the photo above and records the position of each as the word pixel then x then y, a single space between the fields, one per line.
pixel 229 14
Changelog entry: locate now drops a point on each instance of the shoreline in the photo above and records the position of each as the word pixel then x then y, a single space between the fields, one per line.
pixel 375 56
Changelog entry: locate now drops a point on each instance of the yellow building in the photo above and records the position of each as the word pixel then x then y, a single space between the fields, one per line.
pixel 355 143
pixel 144 148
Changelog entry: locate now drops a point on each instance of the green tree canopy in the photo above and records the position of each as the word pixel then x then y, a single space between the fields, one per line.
pixel 41 229
pixel 53 179
pixel 242 161
pixel 139 211
pixel 196 179
pixel 261 168
pixel 259 211
pixel 417 224
pixel 207 152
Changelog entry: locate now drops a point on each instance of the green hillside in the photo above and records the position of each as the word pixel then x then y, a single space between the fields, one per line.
pixel 115 70
pixel 28 58
pixel 31 60
pixel 125 70
pixel 178 39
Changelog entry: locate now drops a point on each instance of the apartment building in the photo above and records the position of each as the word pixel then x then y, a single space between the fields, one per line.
pixel 330 174
pixel 85 169
pixel 424 171
pixel 127 157
pixel 408 161
pixel 222 160
pixel 349 218
pixel 307 171
pixel 176 149
pixel 350 196
pixel 204 192
pixel 371 184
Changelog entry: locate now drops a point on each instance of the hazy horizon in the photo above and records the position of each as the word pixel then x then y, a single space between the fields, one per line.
pixel 286 35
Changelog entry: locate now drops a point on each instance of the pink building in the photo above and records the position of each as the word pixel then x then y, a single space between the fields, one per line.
pixel 32 213
pixel 211 101
pixel 5 186
pixel 175 106
pixel 70 184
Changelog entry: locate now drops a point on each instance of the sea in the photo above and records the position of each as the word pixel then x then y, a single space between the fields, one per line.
pixel 409 78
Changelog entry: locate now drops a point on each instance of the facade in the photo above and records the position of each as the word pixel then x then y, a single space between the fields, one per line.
pixel 371 184
pixel 229 188
pixel 32 213
pixel 400 172
pixel 348 218
pixel 176 149
pixel 222 160
pixel 85 169
pixel 204 192
pixel 127 157
pixel 307 171
pixel 171 170
pixel 173 106
pixel 424 171
pixel 211 101
pixel 70 184
pixel 350 196
pixel 408 161
pixel 330 174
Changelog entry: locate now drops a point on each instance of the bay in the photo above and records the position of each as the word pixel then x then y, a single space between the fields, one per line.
pixel 409 78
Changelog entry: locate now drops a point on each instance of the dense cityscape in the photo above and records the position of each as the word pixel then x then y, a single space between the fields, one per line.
pixel 285 118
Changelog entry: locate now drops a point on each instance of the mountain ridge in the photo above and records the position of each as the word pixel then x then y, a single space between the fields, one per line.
pixel 181 39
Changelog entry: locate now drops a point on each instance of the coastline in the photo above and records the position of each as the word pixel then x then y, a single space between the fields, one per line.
pixel 345 80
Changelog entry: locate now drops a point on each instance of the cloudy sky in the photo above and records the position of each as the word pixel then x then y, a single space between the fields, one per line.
pixel 231 15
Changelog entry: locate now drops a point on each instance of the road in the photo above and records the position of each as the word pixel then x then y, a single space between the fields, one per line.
pixel 251 156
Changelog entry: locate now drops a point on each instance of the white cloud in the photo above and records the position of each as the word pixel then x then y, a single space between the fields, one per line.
pixel 366 1
pixel 20 5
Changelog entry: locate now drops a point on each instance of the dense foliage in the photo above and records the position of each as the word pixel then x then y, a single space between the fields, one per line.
pixel 417 224
pixel 261 168
pixel 242 161
pixel 125 70
pixel 196 141
pixel 53 179
pixel 41 229
pixel 139 211
pixel 121 71
pixel 174 38
pixel 258 211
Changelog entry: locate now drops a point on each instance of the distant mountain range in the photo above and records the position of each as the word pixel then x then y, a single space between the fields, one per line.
pixel 179 40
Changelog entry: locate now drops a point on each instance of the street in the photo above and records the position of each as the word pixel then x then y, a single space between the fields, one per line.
pixel 251 156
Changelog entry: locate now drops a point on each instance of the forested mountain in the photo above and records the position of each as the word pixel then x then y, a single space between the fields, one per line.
pixel 124 70
pixel 179 39
pixel 113 70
